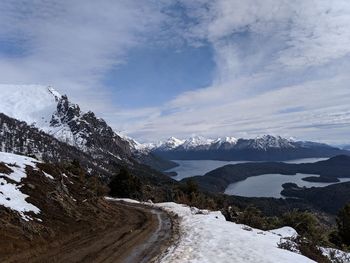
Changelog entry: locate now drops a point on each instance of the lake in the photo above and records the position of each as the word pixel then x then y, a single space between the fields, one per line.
pixel 270 185
pixel 189 168
pixel 267 185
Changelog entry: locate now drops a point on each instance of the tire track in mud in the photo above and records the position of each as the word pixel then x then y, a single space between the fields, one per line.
pixel 139 234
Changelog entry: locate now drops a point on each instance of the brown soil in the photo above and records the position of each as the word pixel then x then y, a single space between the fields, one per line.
pixel 76 224
pixel 136 235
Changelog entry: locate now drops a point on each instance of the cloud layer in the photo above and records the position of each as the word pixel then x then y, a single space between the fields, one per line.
pixel 281 66
pixel 70 44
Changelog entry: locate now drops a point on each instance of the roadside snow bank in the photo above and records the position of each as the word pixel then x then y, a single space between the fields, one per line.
pixel 207 237
pixel 10 193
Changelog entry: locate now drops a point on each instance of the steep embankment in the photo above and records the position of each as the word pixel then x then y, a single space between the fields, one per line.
pixel 129 234
pixel 56 213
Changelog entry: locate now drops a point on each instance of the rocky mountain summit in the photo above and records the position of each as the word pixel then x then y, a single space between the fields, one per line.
pixel 46 109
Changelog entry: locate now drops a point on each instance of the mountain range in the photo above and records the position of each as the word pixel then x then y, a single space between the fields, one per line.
pixel 262 148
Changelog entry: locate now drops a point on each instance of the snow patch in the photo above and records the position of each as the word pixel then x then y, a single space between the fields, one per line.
pixel 33 104
pixel 10 193
pixel 48 176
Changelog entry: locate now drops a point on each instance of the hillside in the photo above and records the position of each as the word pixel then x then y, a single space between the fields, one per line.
pixel 329 199
pixel 58 213
pixel 18 137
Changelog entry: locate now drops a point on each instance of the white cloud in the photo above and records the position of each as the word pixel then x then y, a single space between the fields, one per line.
pixel 310 32
pixel 300 110
pixel 281 65
pixel 71 44
pixel 281 68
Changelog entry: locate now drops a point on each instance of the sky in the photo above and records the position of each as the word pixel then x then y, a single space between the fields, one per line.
pixel 160 68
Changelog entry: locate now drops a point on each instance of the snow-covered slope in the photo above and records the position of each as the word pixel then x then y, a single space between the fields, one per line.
pixel 33 104
pixel 44 108
pixel 11 175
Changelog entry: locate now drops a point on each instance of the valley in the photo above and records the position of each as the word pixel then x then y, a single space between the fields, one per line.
pixel 180 131
pixel 56 172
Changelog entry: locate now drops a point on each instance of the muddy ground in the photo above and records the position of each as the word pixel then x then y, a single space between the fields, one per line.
pixel 137 234
pixel 76 224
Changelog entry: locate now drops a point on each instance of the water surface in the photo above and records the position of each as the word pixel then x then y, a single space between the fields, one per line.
pixel 189 168
pixel 270 185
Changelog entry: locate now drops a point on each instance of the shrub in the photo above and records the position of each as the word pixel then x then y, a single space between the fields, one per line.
pixel 75 168
pixel 98 188
pixel 252 217
pixel 190 187
pixel 304 223
pixel 306 247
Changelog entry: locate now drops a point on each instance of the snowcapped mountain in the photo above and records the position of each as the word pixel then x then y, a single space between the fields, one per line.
pixel 44 108
pixel 265 142
pixel 19 138
pixel 135 146
pixel 262 148
pixel 170 144
pixel 192 143
pixel 225 143
pixel 197 142
pixel 143 153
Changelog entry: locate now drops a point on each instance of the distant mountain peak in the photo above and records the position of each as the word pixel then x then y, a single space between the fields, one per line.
pixel 170 144
pixel 55 93
pixel 195 142
pixel 231 140
pixel 269 141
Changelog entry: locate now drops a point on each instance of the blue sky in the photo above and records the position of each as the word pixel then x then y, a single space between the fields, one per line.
pixel 160 68
pixel 151 76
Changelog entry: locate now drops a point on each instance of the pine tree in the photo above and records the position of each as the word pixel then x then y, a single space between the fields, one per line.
pixel 343 223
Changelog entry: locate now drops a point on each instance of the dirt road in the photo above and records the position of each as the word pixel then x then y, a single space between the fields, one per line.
pixel 138 234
